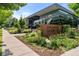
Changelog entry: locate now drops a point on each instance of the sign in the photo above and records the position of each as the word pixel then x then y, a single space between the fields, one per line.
pixel 48 30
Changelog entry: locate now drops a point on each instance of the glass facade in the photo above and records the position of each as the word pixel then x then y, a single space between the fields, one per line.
pixel 46 18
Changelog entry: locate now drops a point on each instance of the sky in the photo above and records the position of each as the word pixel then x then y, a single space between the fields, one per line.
pixel 31 8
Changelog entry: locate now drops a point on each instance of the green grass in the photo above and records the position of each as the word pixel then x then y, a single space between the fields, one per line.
pixel 0 42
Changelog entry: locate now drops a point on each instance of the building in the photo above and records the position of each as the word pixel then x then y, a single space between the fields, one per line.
pixel 47 15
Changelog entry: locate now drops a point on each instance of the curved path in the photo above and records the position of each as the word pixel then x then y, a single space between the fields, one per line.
pixel 13 46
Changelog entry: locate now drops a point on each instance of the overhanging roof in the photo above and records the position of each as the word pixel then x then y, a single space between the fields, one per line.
pixel 51 8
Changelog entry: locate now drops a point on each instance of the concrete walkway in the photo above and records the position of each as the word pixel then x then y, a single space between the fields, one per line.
pixel 73 52
pixel 19 34
pixel 13 46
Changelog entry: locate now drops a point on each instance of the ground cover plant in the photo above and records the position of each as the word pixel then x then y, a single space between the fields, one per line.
pixel 0 42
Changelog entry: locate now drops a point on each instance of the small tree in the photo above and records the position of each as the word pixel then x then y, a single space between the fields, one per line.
pixel 12 22
pixel 6 11
pixel 20 24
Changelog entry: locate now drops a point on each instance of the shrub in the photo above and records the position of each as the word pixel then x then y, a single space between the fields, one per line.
pixel 66 28
pixel 39 32
pixel 41 41
pixel 55 41
pixel 49 45
pixel 77 32
pixel 69 43
pixel 33 34
pixel 31 39
pixel 62 41
pixel 26 31
pixel 72 34
pixel 35 37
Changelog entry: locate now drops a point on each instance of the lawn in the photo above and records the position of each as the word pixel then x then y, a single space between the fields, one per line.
pixel 0 42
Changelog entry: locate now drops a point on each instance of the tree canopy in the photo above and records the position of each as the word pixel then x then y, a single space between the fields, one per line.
pixel 4 15
pixel 11 6
pixel 75 7
pixel 6 10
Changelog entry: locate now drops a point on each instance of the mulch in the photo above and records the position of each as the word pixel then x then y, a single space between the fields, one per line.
pixel 42 51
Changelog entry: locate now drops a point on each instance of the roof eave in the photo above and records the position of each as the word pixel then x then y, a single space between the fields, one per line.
pixel 51 8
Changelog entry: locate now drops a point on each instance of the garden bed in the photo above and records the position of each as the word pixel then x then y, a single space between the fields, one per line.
pixel 54 45
pixel 42 51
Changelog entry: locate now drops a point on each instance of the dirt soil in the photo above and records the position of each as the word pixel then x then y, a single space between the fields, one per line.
pixel 42 51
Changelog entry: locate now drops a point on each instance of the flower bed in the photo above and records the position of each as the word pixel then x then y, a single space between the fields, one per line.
pixel 42 51
pixel 54 45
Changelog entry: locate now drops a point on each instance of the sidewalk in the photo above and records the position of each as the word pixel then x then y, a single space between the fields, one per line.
pixel 15 46
pixel 73 52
